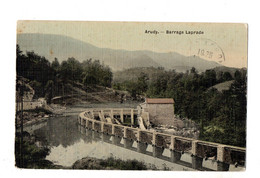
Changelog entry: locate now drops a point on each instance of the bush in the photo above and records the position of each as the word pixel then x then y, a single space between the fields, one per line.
pixel 33 156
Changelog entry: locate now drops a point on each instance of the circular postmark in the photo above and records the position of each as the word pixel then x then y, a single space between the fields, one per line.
pixel 207 49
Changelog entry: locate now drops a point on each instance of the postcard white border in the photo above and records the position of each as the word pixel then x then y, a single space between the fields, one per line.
pixel 121 10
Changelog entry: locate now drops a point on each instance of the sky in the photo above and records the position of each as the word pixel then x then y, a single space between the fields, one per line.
pixel 225 43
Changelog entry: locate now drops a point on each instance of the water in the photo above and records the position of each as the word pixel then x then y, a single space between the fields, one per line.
pixel 70 142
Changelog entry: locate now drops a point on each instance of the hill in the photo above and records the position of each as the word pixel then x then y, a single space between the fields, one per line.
pixel 222 86
pixel 63 47
pixel 134 73
pixel 71 93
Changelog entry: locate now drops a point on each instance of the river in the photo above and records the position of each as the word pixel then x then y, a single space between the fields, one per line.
pixel 70 142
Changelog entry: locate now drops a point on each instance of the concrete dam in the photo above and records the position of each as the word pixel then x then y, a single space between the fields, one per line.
pixel 109 122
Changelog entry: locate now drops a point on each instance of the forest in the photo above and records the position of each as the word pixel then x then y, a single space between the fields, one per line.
pixel 48 78
pixel 221 114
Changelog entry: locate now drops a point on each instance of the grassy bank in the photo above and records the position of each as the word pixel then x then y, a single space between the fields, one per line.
pixel 109 164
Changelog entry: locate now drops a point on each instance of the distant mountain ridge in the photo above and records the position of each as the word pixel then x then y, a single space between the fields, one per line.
pixel 63 47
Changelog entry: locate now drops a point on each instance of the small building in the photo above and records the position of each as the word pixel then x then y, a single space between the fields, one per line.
pixel 33 104
pixel 160 111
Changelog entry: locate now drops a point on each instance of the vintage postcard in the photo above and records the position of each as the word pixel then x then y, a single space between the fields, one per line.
pixel 131 95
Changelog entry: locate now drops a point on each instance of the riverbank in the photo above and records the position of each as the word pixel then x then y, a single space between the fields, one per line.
pixel 109 164
pixel 38 115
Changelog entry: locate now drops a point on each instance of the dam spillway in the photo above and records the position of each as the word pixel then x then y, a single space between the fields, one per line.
pixel 94 119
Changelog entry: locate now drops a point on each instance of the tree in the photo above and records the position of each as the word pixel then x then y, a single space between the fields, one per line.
pixel 238 75
pixel 227 76
pixel 95 73
pixel 71 70
pixel 209 78
pixel 55 64
pixel 35 68
pixel 193 70
pixel 49 91
pixel 142 85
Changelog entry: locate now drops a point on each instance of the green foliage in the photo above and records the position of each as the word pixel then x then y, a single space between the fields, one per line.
pixel 95 73
pixel 35 68
pixel 48 79
pixel 227 76
pixel 55 64
pixel 142 85
pixel 110 163
pixel 133 73
pixel 33 156
pixel 123 165
pixel 71 70
pixel 134 87
pixel 37 86
pixel 221 115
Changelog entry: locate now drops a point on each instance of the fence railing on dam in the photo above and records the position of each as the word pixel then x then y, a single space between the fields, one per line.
pixel 94 119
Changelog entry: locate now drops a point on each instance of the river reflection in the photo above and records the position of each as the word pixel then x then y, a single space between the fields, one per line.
pixel 70 142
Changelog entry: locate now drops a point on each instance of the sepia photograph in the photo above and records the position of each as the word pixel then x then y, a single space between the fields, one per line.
pixel 107 95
